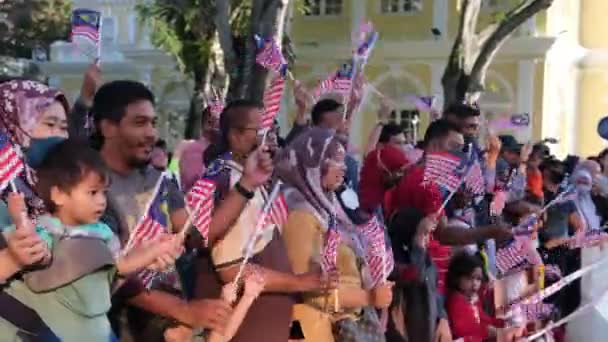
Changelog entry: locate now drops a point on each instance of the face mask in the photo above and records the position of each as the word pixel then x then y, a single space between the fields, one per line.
pixel 39 149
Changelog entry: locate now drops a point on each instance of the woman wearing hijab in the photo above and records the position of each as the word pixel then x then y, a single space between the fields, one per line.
pixel 34 117
pixel 312 167
pixel 593 284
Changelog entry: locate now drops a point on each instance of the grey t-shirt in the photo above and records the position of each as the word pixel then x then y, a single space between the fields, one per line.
pixel 129 194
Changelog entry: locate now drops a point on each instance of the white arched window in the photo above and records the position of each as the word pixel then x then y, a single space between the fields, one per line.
pixel 396 86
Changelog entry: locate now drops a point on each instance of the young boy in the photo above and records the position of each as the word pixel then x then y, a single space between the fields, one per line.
pixel 71 290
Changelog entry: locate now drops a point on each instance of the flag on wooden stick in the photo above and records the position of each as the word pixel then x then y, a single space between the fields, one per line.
pixel 200 201
pixel 11 164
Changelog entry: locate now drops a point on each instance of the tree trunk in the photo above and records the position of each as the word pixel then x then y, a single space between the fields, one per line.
pixel 472 52
pixel 193 123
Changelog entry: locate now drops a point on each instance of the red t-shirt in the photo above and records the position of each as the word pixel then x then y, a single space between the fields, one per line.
pixel 411 193
pixel 468 320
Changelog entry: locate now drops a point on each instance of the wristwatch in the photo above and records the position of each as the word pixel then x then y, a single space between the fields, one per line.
pixel 243 192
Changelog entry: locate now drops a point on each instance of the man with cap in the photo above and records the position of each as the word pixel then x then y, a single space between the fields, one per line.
pixel 511 167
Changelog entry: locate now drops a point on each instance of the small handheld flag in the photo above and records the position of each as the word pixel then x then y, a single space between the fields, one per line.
pixel 200 200
pixel 272 101
pixel 441 169
pixel 11 164
pixel 86 30
pixel 151 226
pixel 329 255
pixel 270 56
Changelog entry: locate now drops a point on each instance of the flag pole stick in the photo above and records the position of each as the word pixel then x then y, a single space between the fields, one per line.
pixel 257 230
pixel 350 87
pixel 98 62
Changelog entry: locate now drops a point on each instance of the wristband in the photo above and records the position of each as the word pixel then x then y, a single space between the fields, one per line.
pixel 243 192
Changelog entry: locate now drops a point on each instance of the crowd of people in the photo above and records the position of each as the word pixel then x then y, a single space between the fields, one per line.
pixel 70 271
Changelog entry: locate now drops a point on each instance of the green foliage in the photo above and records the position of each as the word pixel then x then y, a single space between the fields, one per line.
pixel 26 24
pixel 185 28
pixel 179 29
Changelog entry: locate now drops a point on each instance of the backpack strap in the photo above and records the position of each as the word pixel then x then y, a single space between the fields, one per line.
pixel 32 327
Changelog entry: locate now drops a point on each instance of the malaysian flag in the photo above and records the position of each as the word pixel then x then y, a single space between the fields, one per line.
pixel 86 27
pixel 270 56
pixel 441 168
pixel 509 256
pixel 324 87
pixel 474 180
pixel 200 201
pixel 378 259
pixel 343 82
pixel 367 46
pixel 329 255
pixel 152 225
pixel 278 211
pixel 11 164
pixel 516 252
pixel 272 101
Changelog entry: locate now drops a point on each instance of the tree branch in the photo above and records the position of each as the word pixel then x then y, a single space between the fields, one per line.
pixel 224 31
pixel 494 41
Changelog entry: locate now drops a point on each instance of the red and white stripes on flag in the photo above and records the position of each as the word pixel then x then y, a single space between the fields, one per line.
pixel 200 201
pixel 379 261
pixel 329 255
pixel 148 230
pixel 325 86
pixel 474 180
pixel 11 164
pixel 272 101
pixel 342 86
pixel 440 168
pixel 278 211
pixel 509 257
pixel 334 84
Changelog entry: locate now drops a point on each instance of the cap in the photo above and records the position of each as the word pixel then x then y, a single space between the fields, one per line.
pixel 509 143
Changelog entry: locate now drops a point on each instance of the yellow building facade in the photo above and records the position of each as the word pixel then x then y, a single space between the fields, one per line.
pixel 553 67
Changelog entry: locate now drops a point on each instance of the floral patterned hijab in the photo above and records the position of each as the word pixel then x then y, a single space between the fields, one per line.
pixel 22 103
pixel 301 165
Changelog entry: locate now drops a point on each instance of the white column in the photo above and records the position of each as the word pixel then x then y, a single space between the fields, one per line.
pixel 133 24
pixel 357 14
pixel 525 93
pixel 357 136
pixel 440 17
